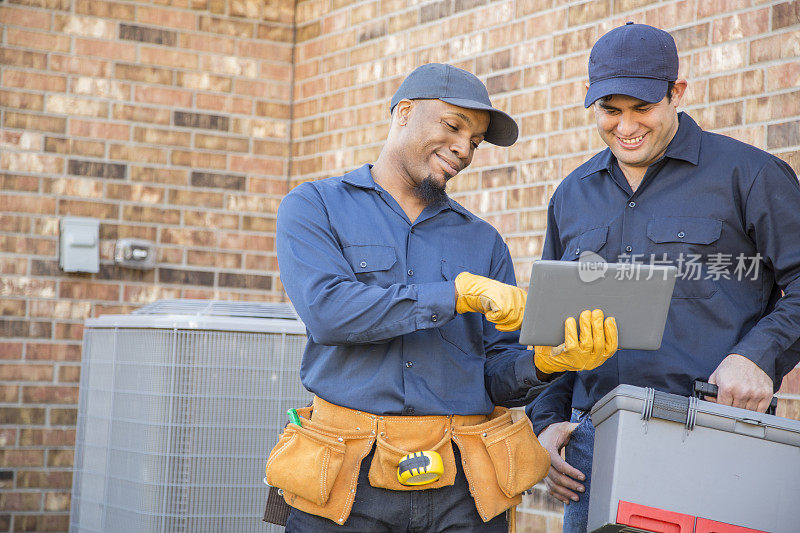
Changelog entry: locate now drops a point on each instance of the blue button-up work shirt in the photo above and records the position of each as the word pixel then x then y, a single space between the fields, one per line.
pixel 728 215
pixel 377 296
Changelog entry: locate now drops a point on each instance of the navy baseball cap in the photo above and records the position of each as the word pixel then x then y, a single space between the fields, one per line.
pixel 635 60
pixel 460 88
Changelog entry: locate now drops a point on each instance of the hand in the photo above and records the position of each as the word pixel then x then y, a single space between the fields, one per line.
pixel 502 304
pixel 597 342
pixel 561 479
pixel 741 384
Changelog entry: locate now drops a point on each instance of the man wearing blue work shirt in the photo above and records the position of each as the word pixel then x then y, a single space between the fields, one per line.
pixel 664 191
pixel 410 304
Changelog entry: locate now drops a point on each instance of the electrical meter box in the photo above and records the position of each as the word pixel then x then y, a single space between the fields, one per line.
pixel 80 245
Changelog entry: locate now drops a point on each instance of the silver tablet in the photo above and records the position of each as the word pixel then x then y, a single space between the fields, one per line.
pixel 636 295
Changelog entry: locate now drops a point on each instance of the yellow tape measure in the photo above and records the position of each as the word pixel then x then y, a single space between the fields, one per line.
pixel 420 468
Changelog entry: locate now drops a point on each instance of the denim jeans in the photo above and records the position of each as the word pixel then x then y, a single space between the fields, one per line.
pixel 448 509
pixel 578 453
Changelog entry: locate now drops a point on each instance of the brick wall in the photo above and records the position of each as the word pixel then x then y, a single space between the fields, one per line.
pixel 177 121
pixel 166 120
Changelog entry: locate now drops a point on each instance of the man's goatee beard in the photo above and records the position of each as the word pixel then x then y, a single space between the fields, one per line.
pixel 430 192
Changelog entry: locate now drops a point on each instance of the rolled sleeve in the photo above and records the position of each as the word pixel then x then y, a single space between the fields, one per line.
pixel 436 304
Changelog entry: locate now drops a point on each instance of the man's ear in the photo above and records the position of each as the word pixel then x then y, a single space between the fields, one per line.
pixel 678 90
pixel 403 110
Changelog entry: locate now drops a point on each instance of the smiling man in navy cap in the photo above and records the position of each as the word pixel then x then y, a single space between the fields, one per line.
pixel 410 304
pixel 726 213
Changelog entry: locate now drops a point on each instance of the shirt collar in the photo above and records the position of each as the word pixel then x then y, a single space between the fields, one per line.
pixel 685 145
pixel 362 178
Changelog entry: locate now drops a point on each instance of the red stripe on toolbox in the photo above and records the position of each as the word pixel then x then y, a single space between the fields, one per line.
pixel 653 519
pixel 704 525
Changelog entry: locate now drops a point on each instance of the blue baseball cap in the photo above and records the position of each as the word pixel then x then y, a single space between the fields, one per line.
pixel 460 88
pixel 635 60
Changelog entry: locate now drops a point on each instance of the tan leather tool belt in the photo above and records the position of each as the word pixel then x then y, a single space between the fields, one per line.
pixel 317 464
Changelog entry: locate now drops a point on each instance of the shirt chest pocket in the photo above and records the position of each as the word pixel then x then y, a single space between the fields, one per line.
pixel 372 263
pixel 591 240
pixel 687 243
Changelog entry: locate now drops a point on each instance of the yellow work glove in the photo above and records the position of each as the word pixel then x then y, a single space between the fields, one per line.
pixel 502 304
pixel 597 342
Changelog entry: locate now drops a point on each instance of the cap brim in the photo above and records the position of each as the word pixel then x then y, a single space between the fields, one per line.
pixel 645 89
pixel 502 131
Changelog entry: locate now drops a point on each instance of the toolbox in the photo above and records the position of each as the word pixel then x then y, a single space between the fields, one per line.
pixel 664 462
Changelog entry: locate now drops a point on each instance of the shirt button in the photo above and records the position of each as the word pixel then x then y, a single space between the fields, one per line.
pixel 409 364
pixel 410 272
pixel 363 264
pixel 409 410
pixel 434 318
pixel 681 235
pixel 628 249
pixel 631 204
pixel 578 251
pixel 527 381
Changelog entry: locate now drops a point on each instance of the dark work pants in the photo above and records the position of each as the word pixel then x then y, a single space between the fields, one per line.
pixel 448 509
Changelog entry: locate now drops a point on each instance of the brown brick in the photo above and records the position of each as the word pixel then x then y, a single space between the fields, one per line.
pixel 234 28
pixel 9 394
pixel 207 43
pixel 141 73
pixel 203 81
pixel 34 122
pixel 37 40
pixel 783 135
pixel 185 277
pixel 208 219
pixel 60 458
pixel 21 416
pixel 689 38
pixel 45 268
pixel 96 169
pixel 71 146
pixel 135 193
pixel 66 105
pixel 49 394
pixel 63 416
pixel 57 501
pixel 740 25
pixel 502 83
pixel 785 14
pixel 223 181
pixel 138 113
pixel 10 350
pixel 83 66
pixel 199 159
pixel 272 110
pixel 159 175
pixel 245 281
pixel 20 100
pixel 246 241
pixel 139 154
pixel 28 18
pixel 162 137
pixel 99 130
pixel 213 259
pixel 108 10
pixel 188 237
pixel 222 143
pixel 167 17
pixel 199 120
pixel 145 34
pixel 225 104
pixel 62 309
pixel 106 49
pixel 32 479
pixel 27 245
pixel 20 501
pixel 588 12
pixel 137 213
pixel 168 58
pixel 87 290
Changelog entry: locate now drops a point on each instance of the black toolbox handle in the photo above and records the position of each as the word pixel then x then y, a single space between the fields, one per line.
pixel 703 388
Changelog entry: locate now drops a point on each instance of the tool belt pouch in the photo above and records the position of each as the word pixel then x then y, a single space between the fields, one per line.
pixel 317 466
pixel 305 462
pixel 383 470
pixel 501 460
pixel 519 460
